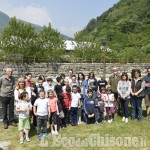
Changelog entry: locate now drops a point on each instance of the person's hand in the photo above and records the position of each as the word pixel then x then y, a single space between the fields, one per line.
pixel 58 113
pixel 92 115
pixel 79 106
pixel 147 84
pixel 132 94
pixel 89 116
pixel 35 114
pixel 136 94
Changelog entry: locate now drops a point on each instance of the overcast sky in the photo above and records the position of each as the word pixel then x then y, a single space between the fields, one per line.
pixel 68 16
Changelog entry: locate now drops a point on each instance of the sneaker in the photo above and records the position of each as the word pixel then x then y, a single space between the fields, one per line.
pixel 56 132
pixel 109 121
pixel 96 123
pixel 123 119
pixel 21 141
pixel 27 139
pixel 39 137
pixel 5 126
pixel 53 132
pixel 126 120
pixel 46 135
pixel 79 122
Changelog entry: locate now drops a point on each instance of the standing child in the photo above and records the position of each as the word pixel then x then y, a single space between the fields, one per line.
pixel 39 86
pixel 58 86
pixel 49 86
pixel 54 111
pixel 89 107
pixel 75 104
pixel 109 99
pixel 24 107
pixel 66 103
pixel 41 110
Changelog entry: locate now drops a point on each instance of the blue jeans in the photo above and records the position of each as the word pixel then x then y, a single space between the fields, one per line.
pixel 136 106
pixel 124 105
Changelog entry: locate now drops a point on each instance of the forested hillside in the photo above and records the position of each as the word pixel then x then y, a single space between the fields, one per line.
pixel 126 26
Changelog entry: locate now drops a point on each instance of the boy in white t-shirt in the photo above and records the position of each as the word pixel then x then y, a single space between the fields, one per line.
pixel 75 104
pixel 41 110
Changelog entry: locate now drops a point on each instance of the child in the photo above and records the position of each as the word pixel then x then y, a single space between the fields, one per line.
pixel 109 99
pixel 89 107
pixel 74 81
pixel 33 98
pixel 49 86
pixel 58 86
pixel 41 110
pixel 28 78
pixel 66 83
pixel 23 107
pixel 99 110
pixel 75 104
pixel 54 111
pixel 66 103
pixel 39 86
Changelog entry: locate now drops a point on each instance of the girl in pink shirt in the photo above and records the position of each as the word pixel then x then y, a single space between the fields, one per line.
pixel 54 111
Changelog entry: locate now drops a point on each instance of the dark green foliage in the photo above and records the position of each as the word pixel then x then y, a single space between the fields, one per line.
pixel 126 26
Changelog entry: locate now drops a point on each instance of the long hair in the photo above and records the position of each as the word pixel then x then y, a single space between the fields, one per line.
pixel 20 80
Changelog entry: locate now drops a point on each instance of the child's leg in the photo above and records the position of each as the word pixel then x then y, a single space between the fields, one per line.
pixel 97 114
pixel 112 112
pixel 75 115
pixel 71 114
pixel 39 124
pixel 21 134
pixel 107 113
pixel 79 114
pixel 27 126
pixel 44 124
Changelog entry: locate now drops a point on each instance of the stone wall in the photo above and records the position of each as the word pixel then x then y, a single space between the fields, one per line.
pixel 50 69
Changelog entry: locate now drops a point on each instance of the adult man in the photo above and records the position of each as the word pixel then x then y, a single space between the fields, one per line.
pixel 7 86
pixel 147 92
pixel 113 82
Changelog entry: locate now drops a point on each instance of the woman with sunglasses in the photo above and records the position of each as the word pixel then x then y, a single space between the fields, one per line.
pixel 124 89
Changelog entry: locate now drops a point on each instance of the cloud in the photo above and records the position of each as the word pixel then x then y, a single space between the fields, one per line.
pixel 33 14
pixel 70 31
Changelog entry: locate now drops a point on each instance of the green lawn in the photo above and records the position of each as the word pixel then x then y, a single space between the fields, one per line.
pixel 118 130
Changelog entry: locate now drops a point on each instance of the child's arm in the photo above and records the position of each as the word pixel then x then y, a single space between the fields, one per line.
pixel 57 108
pixel 112 98
pixel 79 103
pixel 34 110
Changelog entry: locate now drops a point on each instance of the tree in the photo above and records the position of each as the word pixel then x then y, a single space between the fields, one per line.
pixel 51 45
pixel 18 38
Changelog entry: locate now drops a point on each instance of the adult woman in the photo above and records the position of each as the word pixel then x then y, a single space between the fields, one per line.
pixel 124 89
pixel 21 87
pixel 81 82
pixel 91 83
pixel 137 86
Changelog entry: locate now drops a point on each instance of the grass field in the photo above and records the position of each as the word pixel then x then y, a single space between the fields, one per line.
pixel 116 134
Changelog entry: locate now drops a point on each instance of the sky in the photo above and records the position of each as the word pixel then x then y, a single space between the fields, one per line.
pixel 67 16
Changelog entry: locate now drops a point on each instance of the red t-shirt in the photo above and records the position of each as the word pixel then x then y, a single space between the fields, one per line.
pixel 67 100
pixel 53 103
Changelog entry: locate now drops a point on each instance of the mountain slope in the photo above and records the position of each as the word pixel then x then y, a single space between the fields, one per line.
pixel 4 19
pixel 126 24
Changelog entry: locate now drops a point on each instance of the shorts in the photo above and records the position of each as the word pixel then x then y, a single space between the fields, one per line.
pixel 147 100
pixel 53 118
pixel 24 123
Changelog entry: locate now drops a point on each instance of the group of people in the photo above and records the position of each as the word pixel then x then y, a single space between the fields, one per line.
pixel 72 100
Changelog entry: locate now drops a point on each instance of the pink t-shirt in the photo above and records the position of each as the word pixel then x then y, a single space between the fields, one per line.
pixel 53 103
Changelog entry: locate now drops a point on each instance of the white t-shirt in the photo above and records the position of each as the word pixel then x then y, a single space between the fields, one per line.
pixel 108 102
pixel 42 106
pixel 24 105
pixel 75 99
